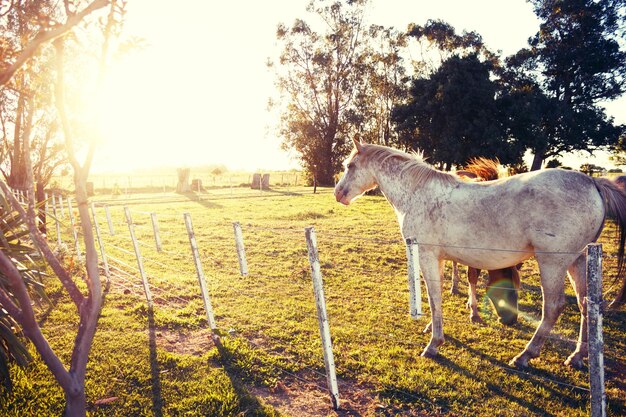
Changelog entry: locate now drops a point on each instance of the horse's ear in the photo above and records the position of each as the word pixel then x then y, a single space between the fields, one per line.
pixel 357 143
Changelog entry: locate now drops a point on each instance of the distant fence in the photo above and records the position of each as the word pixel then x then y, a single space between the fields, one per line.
pixel 126 183
pixel 122 273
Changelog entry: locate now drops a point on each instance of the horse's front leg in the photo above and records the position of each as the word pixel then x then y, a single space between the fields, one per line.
pixel 432 270
pixel 553 288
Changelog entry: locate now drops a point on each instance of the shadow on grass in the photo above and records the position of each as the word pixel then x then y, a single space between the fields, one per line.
pixel 155 371
pixel 534 376
pixel 192 196
pixel 236 374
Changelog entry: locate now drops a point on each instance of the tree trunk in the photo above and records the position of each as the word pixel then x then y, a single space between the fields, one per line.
pixel 537 161
pixel 76 403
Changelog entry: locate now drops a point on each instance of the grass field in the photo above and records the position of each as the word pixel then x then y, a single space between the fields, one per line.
pixel 163 362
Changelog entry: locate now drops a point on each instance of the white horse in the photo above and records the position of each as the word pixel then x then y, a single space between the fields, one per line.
pixel 550 214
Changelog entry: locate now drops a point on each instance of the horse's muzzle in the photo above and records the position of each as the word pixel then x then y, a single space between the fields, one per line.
pixel 340 195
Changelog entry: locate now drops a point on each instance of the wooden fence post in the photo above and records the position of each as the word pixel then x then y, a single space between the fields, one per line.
pixel 155 229
pixel 74 231
pixel 415 289
pixel 322 317
pixel 142 272
pixel 105 262
pixel 201 278
pixel 108 214
pixel 241 251
pixel 594 329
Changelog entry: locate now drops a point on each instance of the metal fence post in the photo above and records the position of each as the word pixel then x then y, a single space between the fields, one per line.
pixel 56 220
pixel 105 262
pixel 155 229
pixel 322 317
pixel 142 272
pixel 108 214
pixel 413 272
pixel 201 278
pixel 594 329
pixel 241 251
pixel 74 231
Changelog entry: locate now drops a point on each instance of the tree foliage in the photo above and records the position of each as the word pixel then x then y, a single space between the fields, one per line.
pixel 453 115
pixel 319 77
pixel 572 63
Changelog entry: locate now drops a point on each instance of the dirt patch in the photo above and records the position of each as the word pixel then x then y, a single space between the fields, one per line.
pixel 298 396
pixel 197 342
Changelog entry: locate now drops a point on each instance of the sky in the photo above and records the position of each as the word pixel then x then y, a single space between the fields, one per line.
pixel 197 94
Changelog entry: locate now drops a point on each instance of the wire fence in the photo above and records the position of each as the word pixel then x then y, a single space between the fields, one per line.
pixel 167 280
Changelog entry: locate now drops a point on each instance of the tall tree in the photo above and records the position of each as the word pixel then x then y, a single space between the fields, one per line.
pixel 575 60
pixel 453 116
pixel 319 76
pixel 385 86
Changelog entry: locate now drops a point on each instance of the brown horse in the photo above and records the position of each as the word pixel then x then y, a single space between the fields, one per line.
pixel 502 284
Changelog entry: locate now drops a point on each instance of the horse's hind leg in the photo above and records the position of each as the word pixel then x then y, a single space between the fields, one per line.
pixel 578 278
pixel 454 289
pixel 552 269
pixel 472 300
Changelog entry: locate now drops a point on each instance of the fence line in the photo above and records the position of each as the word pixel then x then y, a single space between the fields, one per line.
pixel 280 230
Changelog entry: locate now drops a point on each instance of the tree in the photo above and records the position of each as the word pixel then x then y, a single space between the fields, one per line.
pixel 437 41
pixel 453 115
pixel 15 298
pixel 572 63
pixel 385 86
pixel 319 77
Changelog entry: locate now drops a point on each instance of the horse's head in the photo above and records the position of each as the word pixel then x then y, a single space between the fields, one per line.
pixel 357 178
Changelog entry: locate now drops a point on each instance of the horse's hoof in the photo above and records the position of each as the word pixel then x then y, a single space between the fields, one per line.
pixel 509 321
pixel 575 360
pixel 428 328
pixel 519 362
pixel 430 353
pixel 476 319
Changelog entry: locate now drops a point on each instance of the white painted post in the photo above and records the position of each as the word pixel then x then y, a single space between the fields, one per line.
pixel 61 208
pixel 415 289
pixel 46 210
pixel 105 262
pixel 142 271
pixel 201 279
pixel 108 214
pixel 155 229
pixel 241 251
pixel 56 220
pixel 74 230
pixel 322 317
pixel 594 330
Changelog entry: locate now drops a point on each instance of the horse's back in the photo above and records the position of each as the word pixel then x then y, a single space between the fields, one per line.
pixel 549 210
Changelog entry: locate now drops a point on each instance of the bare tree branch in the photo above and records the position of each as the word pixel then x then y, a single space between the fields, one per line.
pixel 47 36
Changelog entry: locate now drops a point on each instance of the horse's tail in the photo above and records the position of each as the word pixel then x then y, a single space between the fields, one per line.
pixel 614 198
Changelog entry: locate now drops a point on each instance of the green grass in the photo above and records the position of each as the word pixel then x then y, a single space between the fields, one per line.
pixel 163 362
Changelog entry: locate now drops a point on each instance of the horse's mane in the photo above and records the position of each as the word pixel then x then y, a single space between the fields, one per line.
pixel 411 165
pixel 486 169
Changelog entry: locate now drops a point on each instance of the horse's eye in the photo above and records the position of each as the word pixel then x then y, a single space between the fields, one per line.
pixel 351 165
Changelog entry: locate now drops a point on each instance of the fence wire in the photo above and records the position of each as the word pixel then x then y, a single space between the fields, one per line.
pixel 125 281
